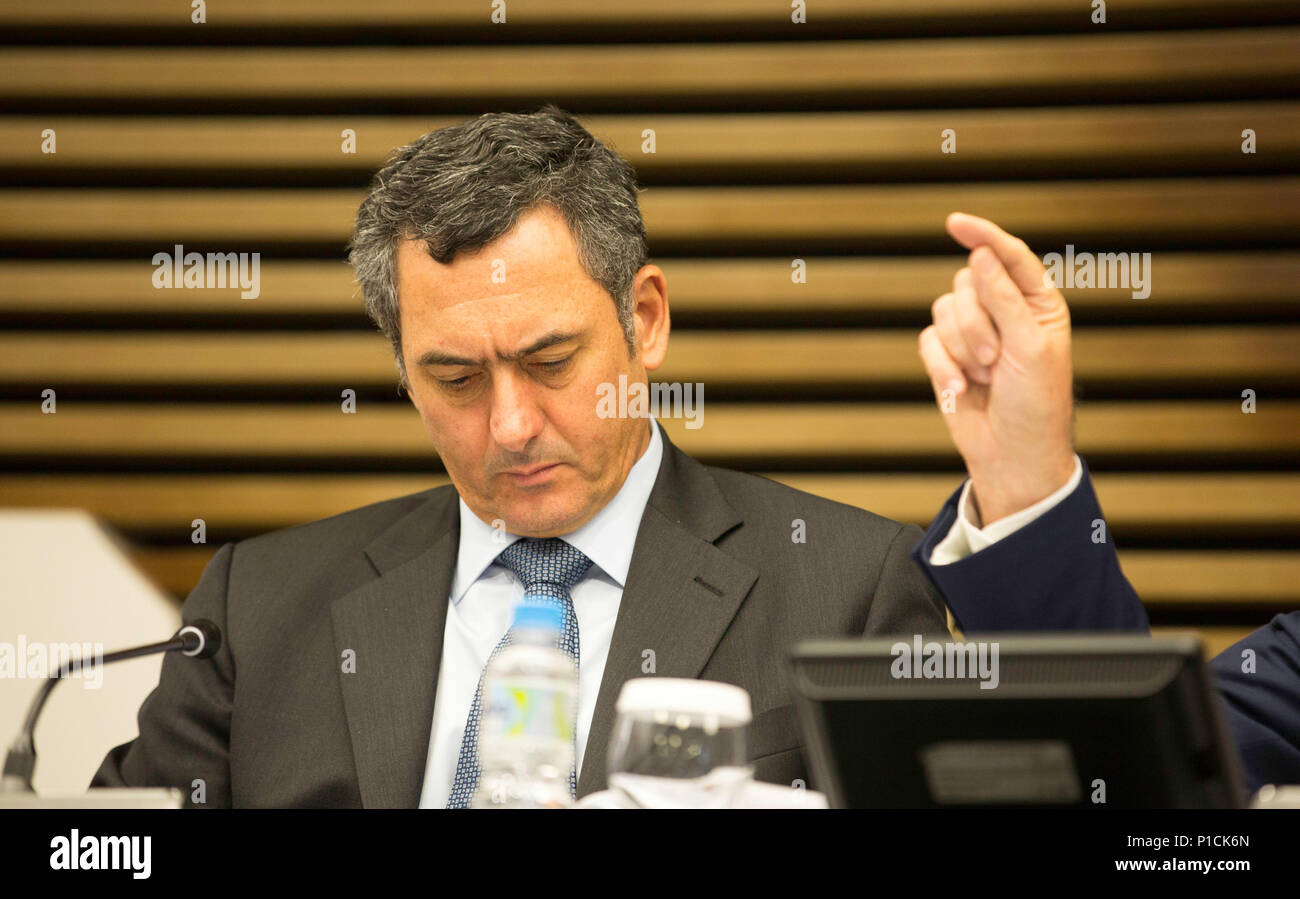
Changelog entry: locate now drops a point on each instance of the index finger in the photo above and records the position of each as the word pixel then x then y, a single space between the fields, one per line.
pixel 1026 269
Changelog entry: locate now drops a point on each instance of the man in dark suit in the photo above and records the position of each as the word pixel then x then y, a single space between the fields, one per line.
pixel 354 646
pixel 1259 680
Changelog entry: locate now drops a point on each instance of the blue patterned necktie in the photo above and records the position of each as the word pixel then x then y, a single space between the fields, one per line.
pixel 549 568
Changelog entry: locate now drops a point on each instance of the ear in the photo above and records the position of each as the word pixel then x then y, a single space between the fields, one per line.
pixel 650 315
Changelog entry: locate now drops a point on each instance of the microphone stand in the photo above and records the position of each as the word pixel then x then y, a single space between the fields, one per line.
pixel 200 640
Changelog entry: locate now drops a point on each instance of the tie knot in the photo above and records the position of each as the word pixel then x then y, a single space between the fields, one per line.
pixel 548 565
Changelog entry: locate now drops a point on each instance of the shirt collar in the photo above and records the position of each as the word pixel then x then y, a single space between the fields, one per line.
pixel 607 539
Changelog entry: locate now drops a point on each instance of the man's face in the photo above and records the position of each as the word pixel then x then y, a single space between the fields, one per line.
pixel 505 349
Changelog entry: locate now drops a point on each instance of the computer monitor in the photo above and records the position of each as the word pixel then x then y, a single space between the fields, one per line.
pixel 1086 720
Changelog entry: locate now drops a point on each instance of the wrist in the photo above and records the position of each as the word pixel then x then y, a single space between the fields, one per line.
pixel 995 494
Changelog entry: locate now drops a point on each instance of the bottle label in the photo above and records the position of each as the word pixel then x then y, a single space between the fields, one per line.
pixel 522 711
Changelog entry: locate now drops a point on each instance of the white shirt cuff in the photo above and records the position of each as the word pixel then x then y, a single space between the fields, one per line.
pixel 965 539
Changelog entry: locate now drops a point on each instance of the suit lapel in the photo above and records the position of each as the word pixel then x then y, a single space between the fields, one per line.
pixel 681 594
pixel 394 625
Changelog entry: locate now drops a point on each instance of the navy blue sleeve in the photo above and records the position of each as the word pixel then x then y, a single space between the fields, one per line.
pixel 1059 572
pixel 1261 698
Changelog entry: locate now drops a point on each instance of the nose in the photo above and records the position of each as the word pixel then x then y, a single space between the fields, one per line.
pixel 515 417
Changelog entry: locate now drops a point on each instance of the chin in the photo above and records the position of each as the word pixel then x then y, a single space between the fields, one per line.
pixel 534 520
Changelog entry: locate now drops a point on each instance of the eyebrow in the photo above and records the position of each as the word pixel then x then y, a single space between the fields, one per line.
pixel 437 357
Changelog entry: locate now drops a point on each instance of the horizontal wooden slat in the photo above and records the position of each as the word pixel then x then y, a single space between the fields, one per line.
pixel 1178 501
pixel 1121 210
pixel 861 70
pixel 1237 355
pixel 259 502
pixel 1066 140
pixel 1214 577
pixel 725 431
pixel 168 215
pixel 734 13
pixel 262 502
pixel 176 569
pixel 1160 577
pixel 124 286
pixel 1186 281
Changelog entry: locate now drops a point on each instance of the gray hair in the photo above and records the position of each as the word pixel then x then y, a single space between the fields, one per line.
pixel 463 186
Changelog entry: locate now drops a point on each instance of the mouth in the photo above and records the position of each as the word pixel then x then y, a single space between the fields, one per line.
pixel 532 475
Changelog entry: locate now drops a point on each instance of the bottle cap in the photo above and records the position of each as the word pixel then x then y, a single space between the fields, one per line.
pixel 538 614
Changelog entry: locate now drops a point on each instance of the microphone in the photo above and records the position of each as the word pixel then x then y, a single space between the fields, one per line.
pixel 199 640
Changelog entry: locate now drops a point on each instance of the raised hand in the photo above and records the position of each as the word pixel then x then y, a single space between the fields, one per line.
pixel 998 357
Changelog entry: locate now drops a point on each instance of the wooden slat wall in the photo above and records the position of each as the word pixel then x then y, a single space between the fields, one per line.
pixel 775 141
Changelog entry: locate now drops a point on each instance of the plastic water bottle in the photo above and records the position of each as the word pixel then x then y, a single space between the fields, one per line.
pixel 530 702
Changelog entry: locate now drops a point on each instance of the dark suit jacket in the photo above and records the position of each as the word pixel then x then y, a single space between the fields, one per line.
pixel 1262 701
pixel 717 589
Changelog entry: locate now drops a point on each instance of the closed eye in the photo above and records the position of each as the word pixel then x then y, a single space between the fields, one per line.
pixel 456 384
pixel 460 384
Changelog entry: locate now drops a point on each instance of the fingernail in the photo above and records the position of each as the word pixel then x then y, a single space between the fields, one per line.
pixel 986 354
